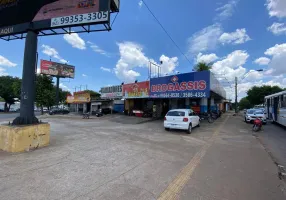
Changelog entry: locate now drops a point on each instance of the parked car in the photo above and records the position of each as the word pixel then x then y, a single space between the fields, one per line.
pixel 55 111
pixel 12 110
pixel 252 114
pixel 183 119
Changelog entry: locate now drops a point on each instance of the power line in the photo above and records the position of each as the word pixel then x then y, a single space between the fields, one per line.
pixel 166 32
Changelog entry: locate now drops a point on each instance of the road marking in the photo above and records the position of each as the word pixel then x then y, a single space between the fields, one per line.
pixel 177 185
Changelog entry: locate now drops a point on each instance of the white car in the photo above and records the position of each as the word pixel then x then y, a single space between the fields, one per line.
pixel 252 114
pixel 183 119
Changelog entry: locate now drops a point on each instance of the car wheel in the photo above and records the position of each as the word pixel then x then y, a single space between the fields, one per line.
pixel 167 129
pixel 189 129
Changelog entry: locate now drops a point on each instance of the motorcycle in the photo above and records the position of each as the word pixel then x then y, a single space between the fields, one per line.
pixel 257 125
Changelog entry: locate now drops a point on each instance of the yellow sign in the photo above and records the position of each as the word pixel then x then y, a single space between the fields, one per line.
pixel 79 97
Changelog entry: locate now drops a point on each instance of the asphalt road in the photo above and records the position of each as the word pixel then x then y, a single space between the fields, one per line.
pixel 9 116
pixel 106 158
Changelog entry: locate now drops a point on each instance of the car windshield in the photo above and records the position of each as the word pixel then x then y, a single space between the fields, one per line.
pixel 250 111
pixel 176 113
pixel 259 112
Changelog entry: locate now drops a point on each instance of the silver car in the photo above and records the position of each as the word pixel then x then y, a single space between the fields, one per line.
pixel 252 114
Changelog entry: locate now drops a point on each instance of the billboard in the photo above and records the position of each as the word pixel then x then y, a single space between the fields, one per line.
pixel 188 85
pixel 79 97
pixel 136 90
pixel 16 16
pixel 57 69
pixel 111 92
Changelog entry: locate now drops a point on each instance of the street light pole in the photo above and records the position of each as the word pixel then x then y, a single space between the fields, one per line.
pixel 236 82
pixel 235 94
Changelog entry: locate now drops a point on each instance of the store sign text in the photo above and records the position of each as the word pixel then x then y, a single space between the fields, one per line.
pixel 183 86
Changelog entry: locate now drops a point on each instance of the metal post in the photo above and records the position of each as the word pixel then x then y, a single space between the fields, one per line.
pixel 236 111
pixel 57 91
pixel 27 115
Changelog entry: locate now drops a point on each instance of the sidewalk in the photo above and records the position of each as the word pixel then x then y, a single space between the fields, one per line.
pixel 235 166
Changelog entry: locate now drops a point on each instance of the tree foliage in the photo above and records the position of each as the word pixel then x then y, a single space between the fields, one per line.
pixel 93 94
pixel 244 104
pixel 256 94
pixel 201 66
pixel 10 90
pixel 45 91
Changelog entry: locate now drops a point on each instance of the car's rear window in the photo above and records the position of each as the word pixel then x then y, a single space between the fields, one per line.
pixel 176 113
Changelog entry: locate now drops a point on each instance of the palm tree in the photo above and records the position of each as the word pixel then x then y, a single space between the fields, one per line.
pixel 201 66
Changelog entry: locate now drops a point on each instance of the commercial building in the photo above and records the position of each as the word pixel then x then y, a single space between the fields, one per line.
pixel 200 91
pixel 79 102
pixel 111 98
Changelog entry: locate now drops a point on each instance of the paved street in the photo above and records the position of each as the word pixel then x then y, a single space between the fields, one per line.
pixel 9 116
pixel 107 158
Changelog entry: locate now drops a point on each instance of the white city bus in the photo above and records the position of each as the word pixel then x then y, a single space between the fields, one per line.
pixel 275 107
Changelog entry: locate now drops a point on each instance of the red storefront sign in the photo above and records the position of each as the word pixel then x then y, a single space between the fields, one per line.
pixel 136 90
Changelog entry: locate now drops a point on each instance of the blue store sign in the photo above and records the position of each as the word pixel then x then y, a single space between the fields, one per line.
pixel 189 85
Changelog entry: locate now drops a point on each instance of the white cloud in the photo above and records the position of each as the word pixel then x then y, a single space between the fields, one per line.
pixel 2 72
pixel 168 65
pixel 278 60
pixel 276 8
pixel 131 56
pixel 52 52
pixel 75 40
pixel 277 28
pixel 253 75
pixel 226 11
pixel 238 37
pixel 262 61
pixel 97 49
pixel 38 70
pixel 276 50
pixel 7 63
pixel 205 39
pixel 64 87
pixel 105 69
pixel 84 75
pixel 207 58
pixel 140 3
pixel 233 60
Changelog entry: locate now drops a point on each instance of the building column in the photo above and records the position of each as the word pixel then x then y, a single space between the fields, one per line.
pixel 213 106
pixel 204 105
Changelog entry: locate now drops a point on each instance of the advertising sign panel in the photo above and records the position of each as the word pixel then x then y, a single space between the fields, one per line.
pixel 189 85
pixel 136 90
pixel 111 92
pixel 16 16
pixel 57 69
pixel 79 97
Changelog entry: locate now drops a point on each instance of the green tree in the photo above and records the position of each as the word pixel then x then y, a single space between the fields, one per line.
pixel 45 92
pixel 63 96
pixel 256 94
pixel 9 90
pixel 93 94
pixel 244 104
pixel 201 66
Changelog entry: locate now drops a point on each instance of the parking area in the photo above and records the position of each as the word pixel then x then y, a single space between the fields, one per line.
pixel 108 158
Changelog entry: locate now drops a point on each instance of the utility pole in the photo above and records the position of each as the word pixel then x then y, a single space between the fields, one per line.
pixel 235 94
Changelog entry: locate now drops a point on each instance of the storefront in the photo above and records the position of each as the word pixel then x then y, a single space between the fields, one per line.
pixel 136 97
pixel 79 102
pixel 197 90
pixel 112 98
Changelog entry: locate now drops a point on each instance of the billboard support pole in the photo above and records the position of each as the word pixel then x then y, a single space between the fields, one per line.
pixel 27 115
pixel 57 91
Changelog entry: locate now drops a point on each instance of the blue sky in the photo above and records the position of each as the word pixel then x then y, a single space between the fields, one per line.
pixel 235 35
